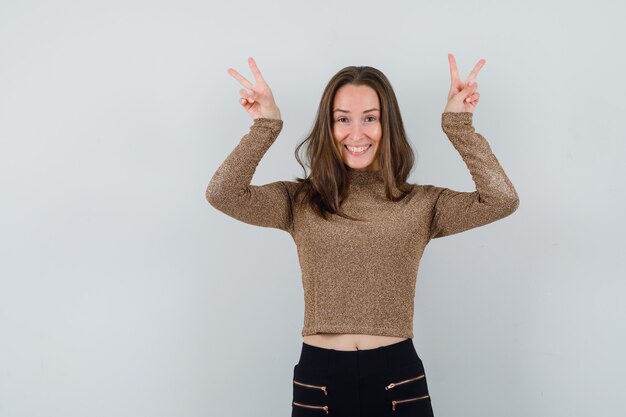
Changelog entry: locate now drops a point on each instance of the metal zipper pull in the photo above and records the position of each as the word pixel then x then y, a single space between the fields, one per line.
pixel 323 388
pixel 394 402
pixel 321 407
pixel 393 384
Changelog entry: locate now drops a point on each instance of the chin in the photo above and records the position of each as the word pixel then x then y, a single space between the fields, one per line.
pixel 361 165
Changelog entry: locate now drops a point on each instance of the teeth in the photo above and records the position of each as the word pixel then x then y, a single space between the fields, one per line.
pixel 360 149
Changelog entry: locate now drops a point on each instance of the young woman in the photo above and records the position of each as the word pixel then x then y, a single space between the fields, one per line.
pixel 360 230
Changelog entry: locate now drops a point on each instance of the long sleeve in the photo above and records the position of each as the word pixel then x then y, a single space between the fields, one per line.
pixel 494 198
pixel 229 189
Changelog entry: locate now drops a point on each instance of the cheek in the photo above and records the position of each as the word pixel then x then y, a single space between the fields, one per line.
pixel 337 142
pixel 376 134
pixel 339 135
pixel 339 132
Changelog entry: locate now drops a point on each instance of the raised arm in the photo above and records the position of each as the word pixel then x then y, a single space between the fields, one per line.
pixel 230 191
pixel 494 198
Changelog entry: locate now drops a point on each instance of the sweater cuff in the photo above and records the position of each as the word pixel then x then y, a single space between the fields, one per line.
pixel 456 120
pixel 275 125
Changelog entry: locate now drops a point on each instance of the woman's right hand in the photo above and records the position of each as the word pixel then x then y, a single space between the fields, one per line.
pixel 256 99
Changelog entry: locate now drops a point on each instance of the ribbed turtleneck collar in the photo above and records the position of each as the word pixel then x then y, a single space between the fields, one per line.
pixel 357 176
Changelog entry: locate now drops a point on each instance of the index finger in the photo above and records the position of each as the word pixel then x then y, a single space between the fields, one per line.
pixel 477 68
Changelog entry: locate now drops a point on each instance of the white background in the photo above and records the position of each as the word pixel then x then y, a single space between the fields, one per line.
pixel 124 293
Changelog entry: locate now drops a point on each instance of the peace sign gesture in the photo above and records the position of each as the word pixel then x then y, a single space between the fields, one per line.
pixel 463 96
pixel 256 99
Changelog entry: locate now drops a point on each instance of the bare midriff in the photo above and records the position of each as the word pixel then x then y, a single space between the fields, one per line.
pixel 346 341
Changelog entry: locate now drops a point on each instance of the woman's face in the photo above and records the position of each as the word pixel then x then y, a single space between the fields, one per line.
pixel 356 126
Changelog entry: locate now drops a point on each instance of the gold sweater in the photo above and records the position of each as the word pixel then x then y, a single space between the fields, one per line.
pixel 359 277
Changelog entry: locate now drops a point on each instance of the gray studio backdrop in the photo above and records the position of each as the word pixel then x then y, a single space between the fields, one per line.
pixel 124 293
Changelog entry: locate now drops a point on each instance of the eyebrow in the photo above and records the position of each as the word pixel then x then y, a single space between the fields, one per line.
pixel 365 111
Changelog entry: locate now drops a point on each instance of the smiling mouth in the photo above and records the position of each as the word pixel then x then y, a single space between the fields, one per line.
pixel 361 149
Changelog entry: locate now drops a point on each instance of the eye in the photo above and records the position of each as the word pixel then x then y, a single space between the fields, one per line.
pixel 371 117
pixel 341 118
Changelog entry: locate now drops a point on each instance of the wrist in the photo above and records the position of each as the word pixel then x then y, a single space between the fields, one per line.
pixel 273 114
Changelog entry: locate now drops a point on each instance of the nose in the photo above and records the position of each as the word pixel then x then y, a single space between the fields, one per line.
pixel 356 131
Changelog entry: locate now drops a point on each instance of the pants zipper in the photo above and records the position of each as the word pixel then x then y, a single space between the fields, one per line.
pixel 393 384
pixel 321 407
pixel 323 388
pixel 394 402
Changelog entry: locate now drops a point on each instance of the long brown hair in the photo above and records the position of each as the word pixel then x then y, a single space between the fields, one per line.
pixel 327 186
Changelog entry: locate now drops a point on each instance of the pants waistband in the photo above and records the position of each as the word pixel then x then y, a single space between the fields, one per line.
pixel 358 362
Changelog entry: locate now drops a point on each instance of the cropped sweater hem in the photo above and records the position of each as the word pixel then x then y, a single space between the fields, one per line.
pixel 351 329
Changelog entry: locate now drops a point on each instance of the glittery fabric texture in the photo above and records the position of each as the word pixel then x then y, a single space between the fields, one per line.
pixel 359 277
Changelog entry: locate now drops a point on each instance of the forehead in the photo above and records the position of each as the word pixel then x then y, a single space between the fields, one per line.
pixel 355 98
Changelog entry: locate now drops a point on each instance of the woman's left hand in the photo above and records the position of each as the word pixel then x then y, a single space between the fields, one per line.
pixel 463 96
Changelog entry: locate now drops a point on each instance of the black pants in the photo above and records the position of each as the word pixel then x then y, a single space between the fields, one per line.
pixel 385 381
